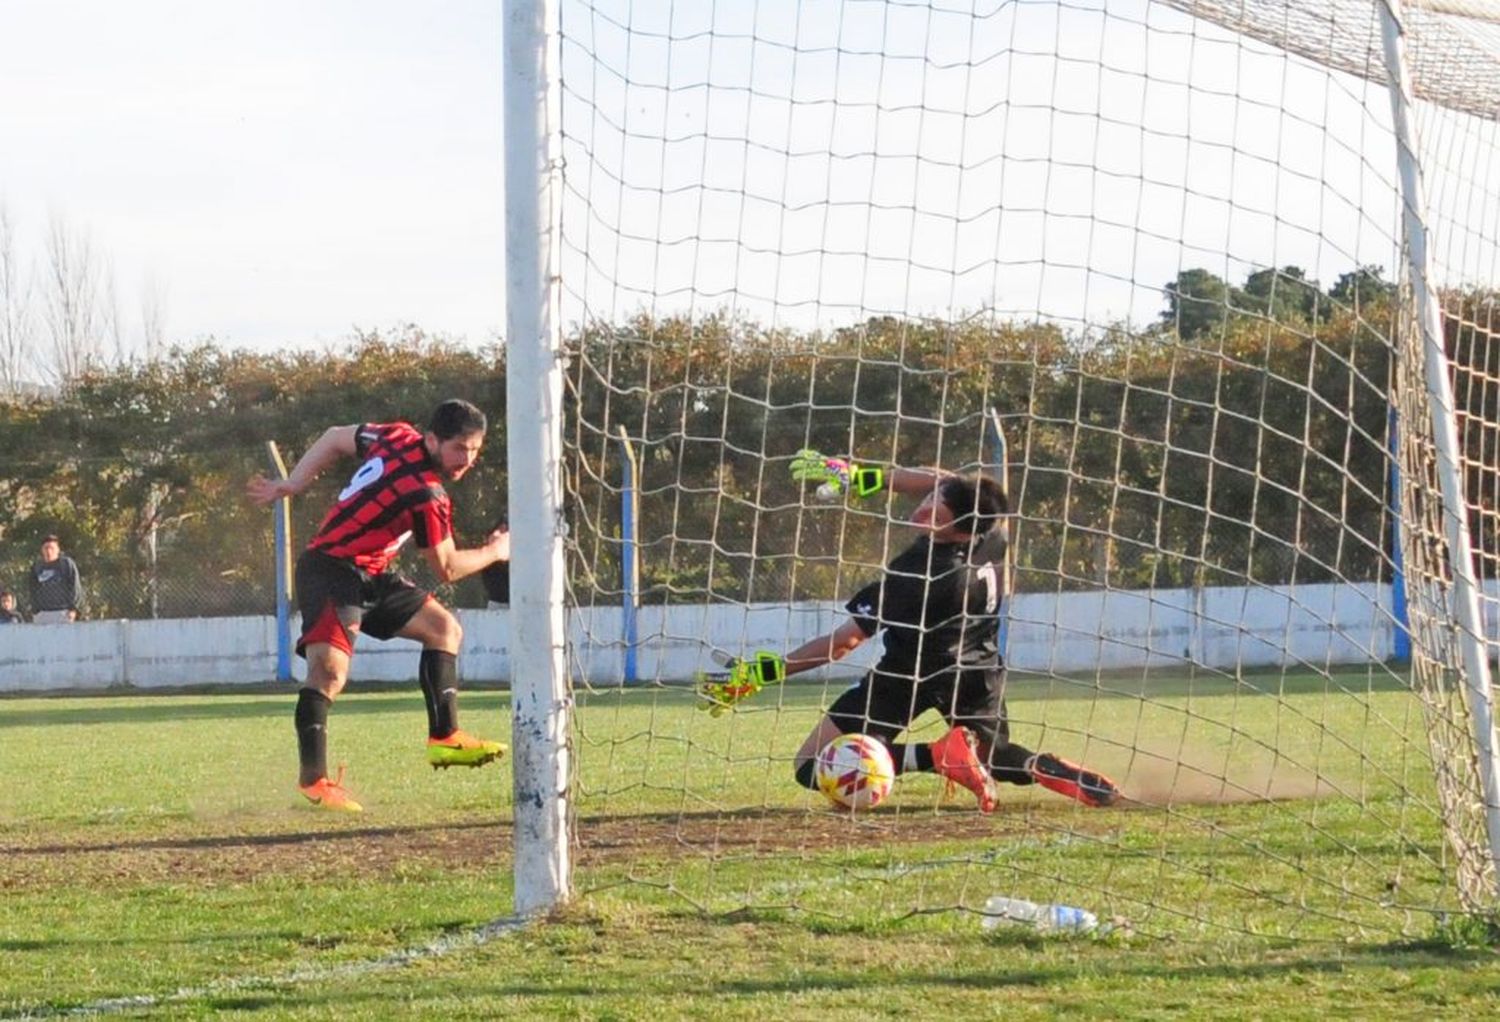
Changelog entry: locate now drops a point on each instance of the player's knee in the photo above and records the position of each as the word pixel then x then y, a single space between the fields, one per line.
pixel 445 632
pixel 325 677
pixel 329 684
pixel 804 773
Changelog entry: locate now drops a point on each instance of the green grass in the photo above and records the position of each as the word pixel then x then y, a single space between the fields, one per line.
pixel 1285 854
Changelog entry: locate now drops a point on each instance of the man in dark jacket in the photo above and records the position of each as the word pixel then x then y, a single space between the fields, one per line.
pixel 56 586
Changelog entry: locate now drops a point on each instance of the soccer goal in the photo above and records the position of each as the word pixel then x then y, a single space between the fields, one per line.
pixel 1209 286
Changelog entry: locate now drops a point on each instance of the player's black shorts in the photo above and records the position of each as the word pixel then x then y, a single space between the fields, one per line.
pixel 335 597
pixel 884 705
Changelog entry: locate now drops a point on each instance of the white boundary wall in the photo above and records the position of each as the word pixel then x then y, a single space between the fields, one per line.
pixel 1312 626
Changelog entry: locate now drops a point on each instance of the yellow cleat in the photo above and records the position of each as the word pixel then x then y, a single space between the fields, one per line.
pixel 461 749
pixel 331 795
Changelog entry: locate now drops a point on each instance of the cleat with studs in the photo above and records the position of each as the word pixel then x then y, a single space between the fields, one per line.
pixel 331 795
pixel 462 749
pixel 954 757
pixel 1067 778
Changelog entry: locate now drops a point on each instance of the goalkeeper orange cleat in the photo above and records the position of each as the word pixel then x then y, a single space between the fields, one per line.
pixel 1072 780
pixel 331 795
pixel 953 757
pixel 462 749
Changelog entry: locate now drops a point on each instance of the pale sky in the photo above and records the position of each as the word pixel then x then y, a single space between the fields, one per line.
pixel 282 172
pixel 279 171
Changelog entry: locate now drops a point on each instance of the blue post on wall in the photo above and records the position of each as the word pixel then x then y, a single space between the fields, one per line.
pixel 281 519
pixel 630 567
pixel 1401 642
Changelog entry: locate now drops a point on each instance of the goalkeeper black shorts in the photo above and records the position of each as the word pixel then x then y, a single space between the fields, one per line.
pixel 884 705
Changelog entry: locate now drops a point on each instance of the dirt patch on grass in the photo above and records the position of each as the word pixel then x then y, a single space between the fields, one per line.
pixel 348 851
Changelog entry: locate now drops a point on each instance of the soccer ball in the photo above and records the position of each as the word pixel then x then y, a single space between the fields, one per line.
pixel 855 771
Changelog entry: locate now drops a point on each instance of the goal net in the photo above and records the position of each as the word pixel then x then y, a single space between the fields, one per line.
pixel 1179 248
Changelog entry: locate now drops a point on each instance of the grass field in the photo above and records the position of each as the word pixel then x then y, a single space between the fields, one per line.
pixel 1280 856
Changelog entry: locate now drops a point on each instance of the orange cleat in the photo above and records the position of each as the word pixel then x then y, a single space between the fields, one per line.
pixel 1072 780
pixel 953 756
pixel 331 795
pixel 462 749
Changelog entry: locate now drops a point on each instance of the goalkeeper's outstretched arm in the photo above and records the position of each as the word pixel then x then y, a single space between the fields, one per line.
pixel 837 476
pixel 746 676
pixel 915 482
pixel 826 649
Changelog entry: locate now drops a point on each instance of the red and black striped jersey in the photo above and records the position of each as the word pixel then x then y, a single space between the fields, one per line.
pixel 396 492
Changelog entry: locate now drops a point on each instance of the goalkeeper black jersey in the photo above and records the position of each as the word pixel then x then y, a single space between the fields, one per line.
pixel 937 604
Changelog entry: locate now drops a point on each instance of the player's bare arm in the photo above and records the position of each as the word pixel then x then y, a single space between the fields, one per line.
pixel 826 649
pixel 451 564
pixel 335 443
pixel 915 482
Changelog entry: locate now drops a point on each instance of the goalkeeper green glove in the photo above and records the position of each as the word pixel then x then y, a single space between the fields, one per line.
pixel 835 476
pixel 742 679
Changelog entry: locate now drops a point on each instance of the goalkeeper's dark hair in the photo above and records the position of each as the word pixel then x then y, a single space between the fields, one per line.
pixel 457 417
pixel 977 501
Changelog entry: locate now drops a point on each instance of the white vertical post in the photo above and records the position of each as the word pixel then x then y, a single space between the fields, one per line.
pixel 533 388
pixel 1466 614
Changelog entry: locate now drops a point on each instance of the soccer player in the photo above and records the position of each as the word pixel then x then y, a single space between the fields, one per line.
pixel 936 604
pixel 344 587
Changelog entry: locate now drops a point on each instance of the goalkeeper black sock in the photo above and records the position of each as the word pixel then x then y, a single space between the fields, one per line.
pixel 911 756
pixel 806 771
pixel 311 720
pixel 1009 762
pixel 437 672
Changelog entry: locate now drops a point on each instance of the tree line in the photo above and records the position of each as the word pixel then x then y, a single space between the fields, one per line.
pixel 1248 445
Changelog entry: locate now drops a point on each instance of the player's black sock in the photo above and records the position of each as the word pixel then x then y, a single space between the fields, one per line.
pixel 438 674
pixel 1008 764
pixel 805 771
pixel 911 756
pixel 311 719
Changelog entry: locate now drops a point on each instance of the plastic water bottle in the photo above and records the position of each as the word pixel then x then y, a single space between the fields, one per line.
pixel 1044 918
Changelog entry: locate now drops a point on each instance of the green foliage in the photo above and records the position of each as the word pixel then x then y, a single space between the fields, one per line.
pixel 1201 305
pixel 1241 438
pixel 1464 932
pixel 166 446
pixel 1197 303
pixel 1147 462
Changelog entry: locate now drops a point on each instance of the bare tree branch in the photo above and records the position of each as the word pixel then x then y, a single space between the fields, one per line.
pixel 153 318
pixel 16 323
pixel 75 323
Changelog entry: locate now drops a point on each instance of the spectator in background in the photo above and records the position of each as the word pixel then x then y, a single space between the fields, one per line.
pixel 8 613
pixel 496 577
pixel 56 587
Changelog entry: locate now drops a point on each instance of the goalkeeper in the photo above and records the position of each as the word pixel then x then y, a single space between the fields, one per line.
pixel 936 604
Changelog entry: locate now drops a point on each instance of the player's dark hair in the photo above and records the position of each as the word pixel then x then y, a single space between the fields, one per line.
pixel 457 417
pixel 977 502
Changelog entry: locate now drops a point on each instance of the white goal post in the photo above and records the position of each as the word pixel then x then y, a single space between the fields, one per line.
pixel 540 696
pixel 1228 272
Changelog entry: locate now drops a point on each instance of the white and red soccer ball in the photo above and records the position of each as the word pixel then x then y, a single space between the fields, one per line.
pixel 855 771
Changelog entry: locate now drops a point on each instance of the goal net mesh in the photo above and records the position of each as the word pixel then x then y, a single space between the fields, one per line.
pixel 1163 240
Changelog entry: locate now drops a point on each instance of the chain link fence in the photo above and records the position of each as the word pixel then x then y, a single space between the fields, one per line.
pixel 200 548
